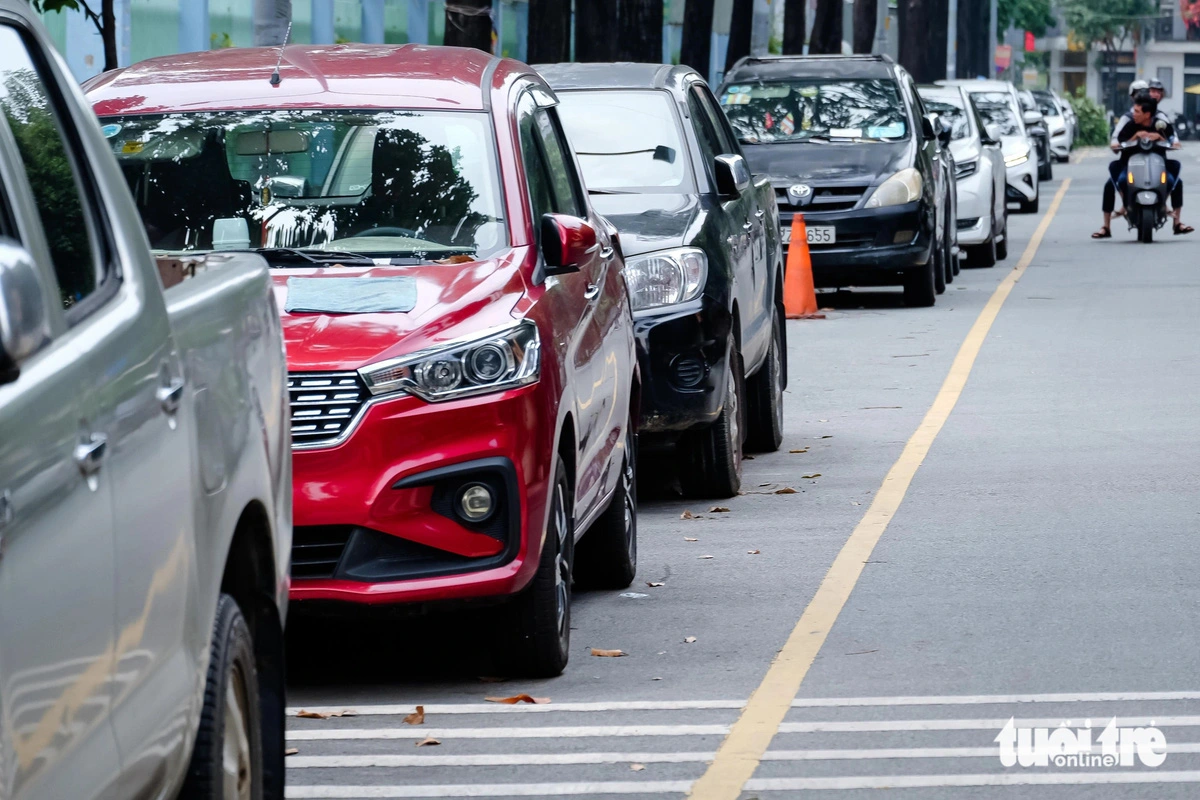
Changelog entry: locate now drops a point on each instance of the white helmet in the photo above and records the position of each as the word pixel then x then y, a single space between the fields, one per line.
pixel 1137 87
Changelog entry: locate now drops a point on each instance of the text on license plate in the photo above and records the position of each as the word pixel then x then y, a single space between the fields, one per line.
pixel 817 234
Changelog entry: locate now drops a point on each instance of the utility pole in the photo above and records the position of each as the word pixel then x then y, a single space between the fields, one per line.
pixel 952 40
pixel 881 20
pixel 991 39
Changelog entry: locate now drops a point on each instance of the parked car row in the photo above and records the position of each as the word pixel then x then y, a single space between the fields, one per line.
pixel 473 291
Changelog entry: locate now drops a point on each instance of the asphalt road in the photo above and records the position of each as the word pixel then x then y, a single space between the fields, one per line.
pixel 1040 565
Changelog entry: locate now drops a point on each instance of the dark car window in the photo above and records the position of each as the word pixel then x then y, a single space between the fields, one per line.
pixel 706 134
pixel 52 171
pixel 953 113
pixel 379 182
pixel 537 173
pixel 720 122
pixel 643 153
pixel 567 193
pixel 804 109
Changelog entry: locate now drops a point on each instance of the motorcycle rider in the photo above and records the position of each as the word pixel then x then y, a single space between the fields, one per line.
pixel 1157 91
pixel 1143 122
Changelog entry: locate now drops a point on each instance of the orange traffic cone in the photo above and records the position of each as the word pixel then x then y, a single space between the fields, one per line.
pixel 799 296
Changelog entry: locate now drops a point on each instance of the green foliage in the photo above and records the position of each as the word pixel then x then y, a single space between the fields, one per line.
pixel 1106 22
pixel 775 45
pixel 220 41
pixel 1026 15
pixel 42 6
pixel 1092 121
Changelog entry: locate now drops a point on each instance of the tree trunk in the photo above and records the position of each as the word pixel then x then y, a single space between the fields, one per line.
pixel 864 24
pixel 596 30
pixel 794 21
pixel 108 32
pixel 741 23
pixel 640 31
pixel 549 31
pixel 827 28
pixel 972 39
pixel 922 39
pixel 271 20
pixel 695 50
pixel 469 24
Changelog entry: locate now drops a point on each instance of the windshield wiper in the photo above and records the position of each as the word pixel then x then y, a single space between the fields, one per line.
pixel 293 254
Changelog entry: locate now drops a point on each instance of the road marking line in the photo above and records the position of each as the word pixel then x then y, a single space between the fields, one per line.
pixel 998 779
pixel 739 754
pixel 572 759
pixel 556 732
pixel 490 790
pixel 865 726
pixel 702 705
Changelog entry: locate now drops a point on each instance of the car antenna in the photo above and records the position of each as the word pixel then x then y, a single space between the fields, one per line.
pixel 275 78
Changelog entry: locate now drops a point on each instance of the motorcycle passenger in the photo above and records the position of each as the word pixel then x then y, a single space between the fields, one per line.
pixel 1144 123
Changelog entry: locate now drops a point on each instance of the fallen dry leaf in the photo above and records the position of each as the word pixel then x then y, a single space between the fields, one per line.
pixel 518 698
pixel 417 717
pixel 801 450
pixel 690 539
pixel 689 640
pixel 690 515
pixel 827 436
pixel 656 679
pixel 814 475
pixel 718 510
pixel 753 552
pixel 596 651
pixel 455 259
pixel 785 490
pixel 291 751
pixel 428 741
pixel 325 714
pixel 637 767
pixel 706 556
pixel 655 584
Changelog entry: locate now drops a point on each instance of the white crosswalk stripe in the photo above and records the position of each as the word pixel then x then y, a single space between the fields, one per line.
pixel 824 745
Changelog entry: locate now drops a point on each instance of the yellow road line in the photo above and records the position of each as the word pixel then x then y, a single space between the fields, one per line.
pixel 743 748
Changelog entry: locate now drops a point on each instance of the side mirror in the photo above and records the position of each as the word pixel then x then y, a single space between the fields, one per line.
pixel 927 128
pixel 1033 118
pixel 566 243
pixel 945 132
pixel 23 324
pixel 992 134
pixel 733 176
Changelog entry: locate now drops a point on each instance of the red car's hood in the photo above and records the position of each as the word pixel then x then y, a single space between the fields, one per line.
pixel 453 300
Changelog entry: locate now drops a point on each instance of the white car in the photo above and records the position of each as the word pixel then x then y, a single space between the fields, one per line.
pixel 980 175
pixel 1001 111
pixel 1060 123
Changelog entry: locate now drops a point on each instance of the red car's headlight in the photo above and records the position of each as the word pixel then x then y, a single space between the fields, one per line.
pixel 492 362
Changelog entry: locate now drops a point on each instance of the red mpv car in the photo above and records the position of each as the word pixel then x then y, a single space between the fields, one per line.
pixel 461 352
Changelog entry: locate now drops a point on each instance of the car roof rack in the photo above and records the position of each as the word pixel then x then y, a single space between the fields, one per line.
pixel 882 58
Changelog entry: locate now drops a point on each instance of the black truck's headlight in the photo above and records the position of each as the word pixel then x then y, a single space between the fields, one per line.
pixel 492 362
pixel 666 277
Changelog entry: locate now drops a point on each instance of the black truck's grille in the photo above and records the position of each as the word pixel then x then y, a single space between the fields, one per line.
pixel 324 405
pixel 824 198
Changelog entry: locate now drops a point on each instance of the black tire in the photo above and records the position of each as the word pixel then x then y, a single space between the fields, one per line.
pixel 949 258
pixel 1146 227
pixel 764 395
pixel 537 636
pixel 606 556
pixel 1031 206
pixel 230 696
pixel 939 267
pixel 920 290
pixel 1046 170
pixel 1002 245
pixel 711 458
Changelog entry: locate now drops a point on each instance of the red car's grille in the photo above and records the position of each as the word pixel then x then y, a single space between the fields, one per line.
pixel 324 406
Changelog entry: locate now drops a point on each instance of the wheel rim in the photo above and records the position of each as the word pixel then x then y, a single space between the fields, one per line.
pixel 777 365
pixel 562 562
pixel 236 772
pixel 735 414
pixel 629 485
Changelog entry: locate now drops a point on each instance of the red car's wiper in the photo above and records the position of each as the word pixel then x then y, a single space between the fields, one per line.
pixel 292 254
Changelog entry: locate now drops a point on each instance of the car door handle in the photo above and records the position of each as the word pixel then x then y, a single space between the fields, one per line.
pixel 90 454
pixel 592 291
pixel 606 252
pixel 760 213
pixel 747 225
pixel 171 396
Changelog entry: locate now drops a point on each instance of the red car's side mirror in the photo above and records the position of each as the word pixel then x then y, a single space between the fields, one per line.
pixel 566 243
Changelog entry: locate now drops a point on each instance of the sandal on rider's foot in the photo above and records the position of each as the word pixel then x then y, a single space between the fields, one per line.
pixel 1103 233
pixel 1120 212
pixel 1181 228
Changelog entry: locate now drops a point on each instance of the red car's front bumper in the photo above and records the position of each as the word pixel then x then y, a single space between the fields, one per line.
pixel 374 516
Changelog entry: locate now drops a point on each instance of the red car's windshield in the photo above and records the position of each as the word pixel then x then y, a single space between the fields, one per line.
pixel 381 183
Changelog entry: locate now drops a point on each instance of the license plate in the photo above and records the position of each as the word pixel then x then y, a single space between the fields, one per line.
pixel 819 234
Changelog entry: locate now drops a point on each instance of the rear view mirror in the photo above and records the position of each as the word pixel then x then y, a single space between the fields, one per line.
pixel 566 243
pixel 1033 118
pixel 992 134
pixel 24 327
pixel 732 174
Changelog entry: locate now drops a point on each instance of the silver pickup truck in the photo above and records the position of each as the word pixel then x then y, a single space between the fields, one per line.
pixel 145 477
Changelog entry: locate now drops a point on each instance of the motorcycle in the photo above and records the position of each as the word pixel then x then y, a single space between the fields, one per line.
pixel 1145 187
pixel 1184 128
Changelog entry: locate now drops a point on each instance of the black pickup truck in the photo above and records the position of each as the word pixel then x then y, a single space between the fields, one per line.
pixel 704 261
